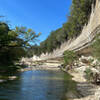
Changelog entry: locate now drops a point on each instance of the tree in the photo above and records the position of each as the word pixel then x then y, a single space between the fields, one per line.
pixel 14 44
pixel 79 15
pixel 28 36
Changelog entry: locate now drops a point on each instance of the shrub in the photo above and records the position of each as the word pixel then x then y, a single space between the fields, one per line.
pixel 69 57
pixel 88 74
pixel 96 47
pixel 92 76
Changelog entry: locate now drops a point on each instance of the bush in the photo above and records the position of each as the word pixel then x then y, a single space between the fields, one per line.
pixel 91 76
pixel 69 57
pixel 88 74
pixel 96 47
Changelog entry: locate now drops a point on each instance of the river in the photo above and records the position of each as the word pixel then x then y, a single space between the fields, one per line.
pixel 37 85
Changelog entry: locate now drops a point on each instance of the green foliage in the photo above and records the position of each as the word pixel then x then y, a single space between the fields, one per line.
pixel 92 76
pixel 14 44
pixel 27 35
pixel 21 39
pixel 69 57
pixel 88 74
pixel 54 40
pixel 96 47
pixel 79 15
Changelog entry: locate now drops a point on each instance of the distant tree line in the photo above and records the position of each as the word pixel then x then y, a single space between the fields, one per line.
pixel 79 15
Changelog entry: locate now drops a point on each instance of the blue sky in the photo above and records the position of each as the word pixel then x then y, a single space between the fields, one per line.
pixel 40 15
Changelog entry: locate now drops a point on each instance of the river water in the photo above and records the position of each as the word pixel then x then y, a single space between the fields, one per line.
pixel 37 85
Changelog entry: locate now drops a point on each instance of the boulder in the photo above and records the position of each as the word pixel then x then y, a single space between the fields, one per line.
pixel 12 77
pixel 97 94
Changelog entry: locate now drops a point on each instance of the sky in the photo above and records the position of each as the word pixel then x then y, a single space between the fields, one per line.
pixel 41 15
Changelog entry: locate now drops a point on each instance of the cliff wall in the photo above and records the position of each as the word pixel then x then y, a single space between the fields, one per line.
pixel 84 39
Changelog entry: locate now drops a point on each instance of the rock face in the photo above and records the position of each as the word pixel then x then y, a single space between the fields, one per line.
pixel 85 38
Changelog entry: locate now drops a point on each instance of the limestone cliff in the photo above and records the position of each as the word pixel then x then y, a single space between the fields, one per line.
pixel 88 33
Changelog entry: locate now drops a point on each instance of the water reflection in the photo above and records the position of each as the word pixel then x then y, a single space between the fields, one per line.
pixel 36 85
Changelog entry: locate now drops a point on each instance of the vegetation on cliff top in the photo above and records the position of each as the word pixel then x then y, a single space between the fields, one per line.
pixel 79 15
pixel 15 43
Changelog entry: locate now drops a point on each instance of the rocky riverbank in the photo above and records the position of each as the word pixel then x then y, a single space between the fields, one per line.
pixel 4 79
pixel 39 67
pixel 86 89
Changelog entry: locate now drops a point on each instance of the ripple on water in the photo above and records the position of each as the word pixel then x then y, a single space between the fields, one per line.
pixel 37 85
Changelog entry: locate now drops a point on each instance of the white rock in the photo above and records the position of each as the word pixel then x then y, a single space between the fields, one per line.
pixel 12 77
pixel 79 59
pixel 95 62
pixel 82 64
pixel 95 70
pixel 81 69
pixel 97 94
pixel 75 64
pixel 90 58
pixel 83 57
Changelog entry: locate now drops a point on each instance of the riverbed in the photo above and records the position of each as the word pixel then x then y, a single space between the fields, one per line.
pixel 38 85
